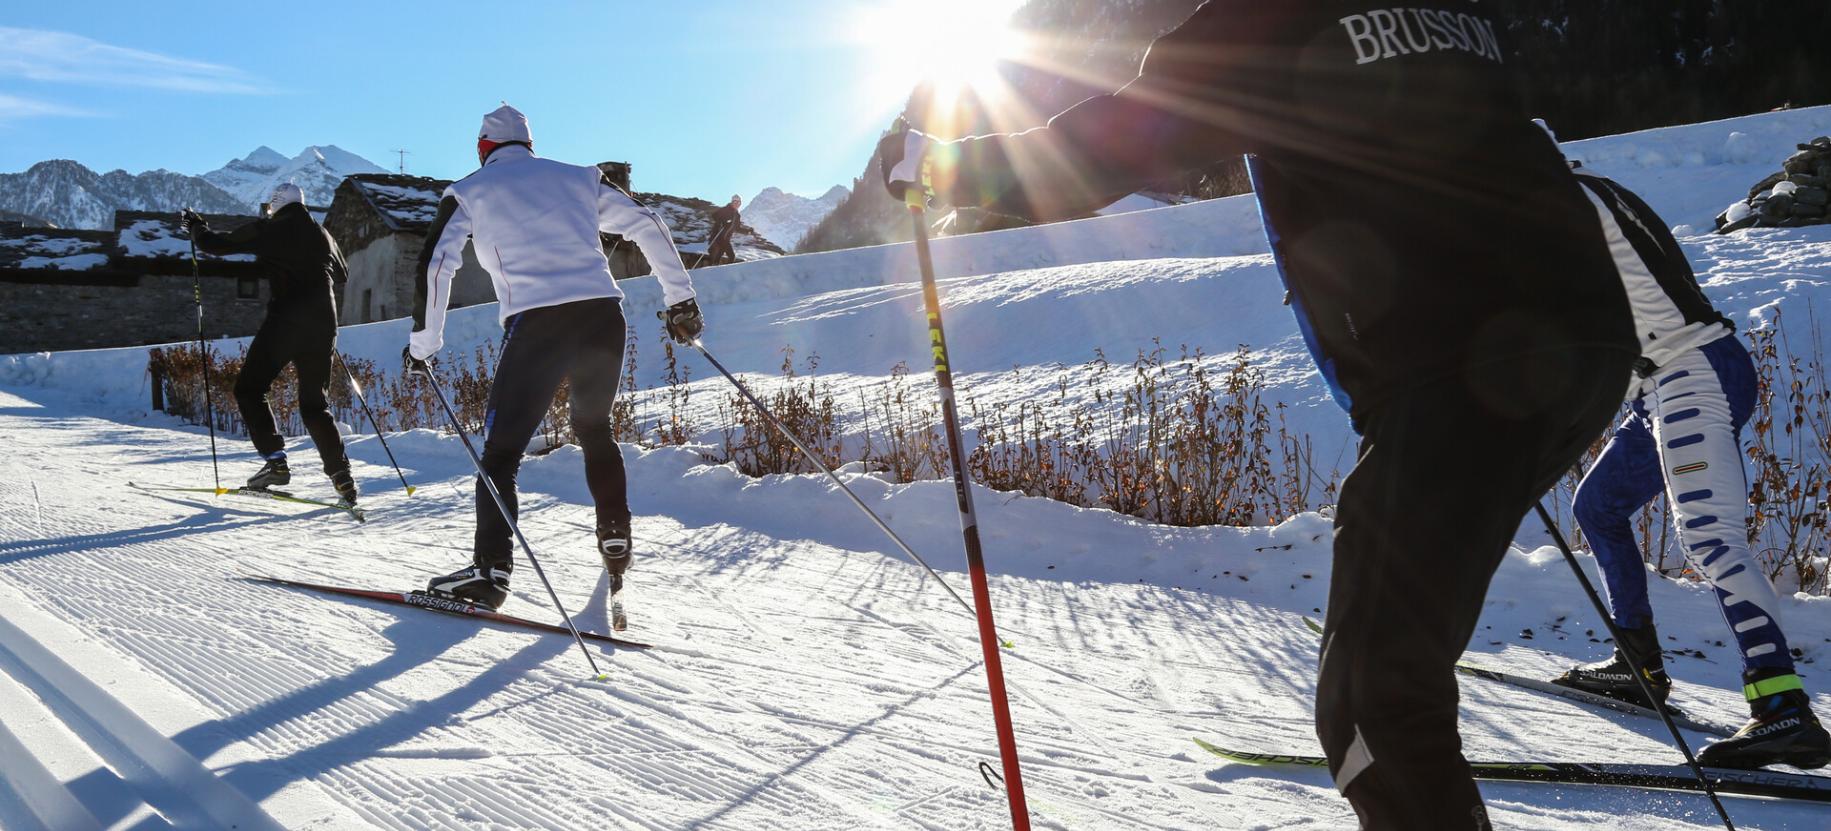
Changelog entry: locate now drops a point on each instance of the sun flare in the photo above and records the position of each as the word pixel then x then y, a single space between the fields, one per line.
pixel 955 45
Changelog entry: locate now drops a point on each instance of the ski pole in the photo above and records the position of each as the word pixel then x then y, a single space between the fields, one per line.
pixel 356 388
pixel 1633 660
pixel 783 429
pixel 969 523
pixel 477 462
pixel 203 354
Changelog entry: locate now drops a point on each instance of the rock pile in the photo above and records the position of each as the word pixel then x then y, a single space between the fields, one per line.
pixel 1797 195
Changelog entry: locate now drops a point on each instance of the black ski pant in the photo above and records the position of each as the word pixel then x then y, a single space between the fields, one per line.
pixel 720 251
pixel 306 341
pixel 1446 473
pixel 581 341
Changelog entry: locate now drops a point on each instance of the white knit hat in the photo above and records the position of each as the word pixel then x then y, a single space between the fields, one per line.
pixel 506 124
pixel 284 193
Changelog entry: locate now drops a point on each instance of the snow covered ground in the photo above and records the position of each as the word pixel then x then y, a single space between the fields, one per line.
pixel 804 675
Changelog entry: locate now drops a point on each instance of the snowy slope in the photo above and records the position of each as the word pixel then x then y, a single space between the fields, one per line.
pixel 805 676
pixel 316 169
pixel 784 218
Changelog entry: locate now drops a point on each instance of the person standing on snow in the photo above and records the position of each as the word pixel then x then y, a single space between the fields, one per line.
pixel 724 226
pixel 535 224
pixel 303 268
pixel 1449 278
pixel 1693 392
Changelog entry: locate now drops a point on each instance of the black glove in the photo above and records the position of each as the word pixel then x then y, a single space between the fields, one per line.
pixel 900 160
pixel 683 321
pixel 191 221
pixel 415 367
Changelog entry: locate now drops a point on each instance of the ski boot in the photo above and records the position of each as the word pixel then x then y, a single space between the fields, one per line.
pixel 274 472
pixel 1614 679
pixel 344 483
pixel 614 546
pixel 486 586
pixel 1781 730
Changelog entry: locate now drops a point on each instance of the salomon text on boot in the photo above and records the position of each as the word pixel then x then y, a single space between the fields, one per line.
pixel 1615 679
pixel 1781 730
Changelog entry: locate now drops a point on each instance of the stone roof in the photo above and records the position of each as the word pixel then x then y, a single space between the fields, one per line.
pixel 53 249
pixel 156 235
pixel 404 203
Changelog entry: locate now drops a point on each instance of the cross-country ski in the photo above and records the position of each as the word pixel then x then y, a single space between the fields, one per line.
pixel 259 493
pixel 1754 783
pixel 916 414
pixel 448 605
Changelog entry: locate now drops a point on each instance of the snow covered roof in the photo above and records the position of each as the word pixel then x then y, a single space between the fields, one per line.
pixel 149 235
pixel 53 249
pixel 404 203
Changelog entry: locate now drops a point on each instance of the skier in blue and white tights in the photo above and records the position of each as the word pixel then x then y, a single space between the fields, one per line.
pixel 1694 391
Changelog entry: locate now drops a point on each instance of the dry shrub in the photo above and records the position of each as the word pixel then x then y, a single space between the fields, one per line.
pixel 804 406
pixel 1175 444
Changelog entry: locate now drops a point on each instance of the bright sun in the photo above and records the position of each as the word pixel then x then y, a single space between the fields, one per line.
pixel 954 44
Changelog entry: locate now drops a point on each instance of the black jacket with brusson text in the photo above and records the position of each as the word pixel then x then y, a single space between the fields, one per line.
pixel 299 258
pixel 1423 225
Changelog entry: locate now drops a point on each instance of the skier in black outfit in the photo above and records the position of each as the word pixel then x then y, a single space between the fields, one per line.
pixel 536 224
pixel 303 267
pixel 1449 277
pixel 724 226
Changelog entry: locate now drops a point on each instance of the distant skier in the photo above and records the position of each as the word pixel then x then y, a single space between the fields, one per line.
pixel 536 223
pixel 1446 272
pixel 724 226
pixel 1694 391
pixel 303 268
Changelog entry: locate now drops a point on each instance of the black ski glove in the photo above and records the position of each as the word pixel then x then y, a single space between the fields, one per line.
pixel 683 321
pixel 191 221
pixel 414 367
pixel 900 160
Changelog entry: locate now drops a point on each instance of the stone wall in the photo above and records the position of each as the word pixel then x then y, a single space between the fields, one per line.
pixel 382 280
pixel 95 311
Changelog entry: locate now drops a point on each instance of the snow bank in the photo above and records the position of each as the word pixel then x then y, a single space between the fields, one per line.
pixel 1691 172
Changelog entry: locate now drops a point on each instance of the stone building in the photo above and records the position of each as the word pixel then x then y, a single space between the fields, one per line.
pixel 64 289
pixel 380 221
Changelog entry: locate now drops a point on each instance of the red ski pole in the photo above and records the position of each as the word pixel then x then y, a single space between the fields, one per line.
pixel 969 522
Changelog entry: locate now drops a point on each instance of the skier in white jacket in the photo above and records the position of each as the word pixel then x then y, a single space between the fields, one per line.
pixel 535 226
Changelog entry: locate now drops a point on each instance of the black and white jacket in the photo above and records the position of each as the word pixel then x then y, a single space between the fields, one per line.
pixel 1671 313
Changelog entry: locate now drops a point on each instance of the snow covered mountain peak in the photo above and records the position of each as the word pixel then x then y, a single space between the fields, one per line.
pixel 317 169
pixel 263 156
pixel 784 218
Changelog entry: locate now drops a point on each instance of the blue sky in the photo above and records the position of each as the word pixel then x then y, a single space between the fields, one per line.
pixel 705 97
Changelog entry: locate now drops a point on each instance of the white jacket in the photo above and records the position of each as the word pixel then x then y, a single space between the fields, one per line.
pixel 535 225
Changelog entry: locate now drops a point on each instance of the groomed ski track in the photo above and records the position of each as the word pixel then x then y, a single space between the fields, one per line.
pixel 804 677
pixel 796 684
